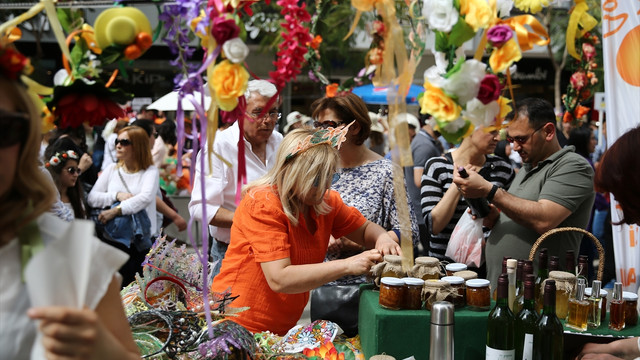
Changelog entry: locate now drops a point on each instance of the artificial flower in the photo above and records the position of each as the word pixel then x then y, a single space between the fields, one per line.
pixel 378 27
pixel 315 43
pixel 588 51
pixel 90 39
pixel 532 6
pixel 224 29
pixel 490 88
pixel 438 104
pixel 578 80
pixel 481 114
pixel 501 58
pixel 196 24
pixel 331 90
pixel 477 13
pixel 505 108
pixel 499 34
pixel 455 129
pixel 504 8
pixel 441 15
pixel 235 50
pixel 441 58
pixel 375 56
pixel 434 76
pixel 567 117
pixel 580 111
pixel 13 63
pixel 465 83
pixel 229 83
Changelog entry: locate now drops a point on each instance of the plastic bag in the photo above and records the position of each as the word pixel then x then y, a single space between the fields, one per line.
pixel 467 241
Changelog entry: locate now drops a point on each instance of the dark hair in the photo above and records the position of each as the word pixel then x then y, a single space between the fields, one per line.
pixel 580 137
pixel 617 174
pixel 167 131
pixel 146 125
pixel 539 112
pixel 500 150
pixel 78 136
pixel 348 107
pixel 76 193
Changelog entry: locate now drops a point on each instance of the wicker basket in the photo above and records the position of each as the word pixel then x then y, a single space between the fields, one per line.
pixel 544 236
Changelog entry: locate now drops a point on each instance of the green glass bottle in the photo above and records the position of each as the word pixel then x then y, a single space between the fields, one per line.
pixel 500 327
pixel 543 274
pixel 526 321
pixel 548 343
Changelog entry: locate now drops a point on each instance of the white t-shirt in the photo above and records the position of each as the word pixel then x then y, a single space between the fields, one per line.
pixel 17 330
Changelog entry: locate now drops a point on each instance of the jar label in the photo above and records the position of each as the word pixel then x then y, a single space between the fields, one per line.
pixel 495 354
pixel 527 350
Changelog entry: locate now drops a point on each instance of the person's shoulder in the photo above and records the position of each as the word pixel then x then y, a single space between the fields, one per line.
pixel 439 162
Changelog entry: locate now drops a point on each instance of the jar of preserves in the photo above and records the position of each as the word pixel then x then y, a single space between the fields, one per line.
pixel 412 293
pixel 565 286
pixel 393 267
pixel 391 293
pixel 478 294
pixel 426 268
pixel 454 267
pixel 466 274
pixel 437 290
pixel 630 309
pixel 458 284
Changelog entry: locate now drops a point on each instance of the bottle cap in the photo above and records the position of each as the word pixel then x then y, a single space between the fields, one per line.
pixel 442 313
pixel 392 281
pixel 453 267
pixel 596 286
pixel 413 281
pixel 617 291
pixel 528 267
pixel 511 265
pixel 629 296
pixel 454 280
pixel 477 283
pixel 580 289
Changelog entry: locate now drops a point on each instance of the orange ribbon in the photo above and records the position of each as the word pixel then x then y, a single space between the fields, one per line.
pixel 579 16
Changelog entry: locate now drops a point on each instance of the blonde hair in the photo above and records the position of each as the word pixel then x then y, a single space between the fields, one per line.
pixel 140 147
pixel 295 178
pixel 31 193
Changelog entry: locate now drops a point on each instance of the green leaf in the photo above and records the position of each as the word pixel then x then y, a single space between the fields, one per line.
pixel 77 53
pixel 110 55
pixel 454 69
pixel 64 15
pixel 342 348
pixel 461 33
pixel 442 42
pixel 456 137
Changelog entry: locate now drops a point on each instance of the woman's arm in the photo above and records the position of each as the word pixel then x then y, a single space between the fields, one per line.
pixel 146 195
pixel 100 197
pixel 628 348
pixel 372 235
pixel 87 334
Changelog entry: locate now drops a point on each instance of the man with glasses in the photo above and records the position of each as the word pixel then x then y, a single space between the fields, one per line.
pixel 553 189
pixel 220 182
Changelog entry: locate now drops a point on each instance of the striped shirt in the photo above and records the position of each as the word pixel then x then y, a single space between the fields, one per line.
pixel 437 177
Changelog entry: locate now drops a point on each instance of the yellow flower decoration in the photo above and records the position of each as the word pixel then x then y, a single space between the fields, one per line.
pixel 229 83
pixel 438 104
pixel 532 6
pixel 90 39
pixel 505 108
pixel 477 13
pixel 204 38
pixel 502 58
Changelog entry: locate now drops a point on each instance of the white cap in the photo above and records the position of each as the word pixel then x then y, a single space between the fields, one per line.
pixel 409 119
pixel 294 117
pixel 375 122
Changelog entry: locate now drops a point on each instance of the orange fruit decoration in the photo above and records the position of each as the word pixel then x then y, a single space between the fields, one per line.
pixel 144 40
pixel 132 52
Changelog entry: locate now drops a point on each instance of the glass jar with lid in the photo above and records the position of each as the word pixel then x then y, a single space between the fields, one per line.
pixel 392 293
pixel 565 286
pixel 630 308
pixel 426 268
pixel 478 294
pixel 437 290
pixel 413 293
pixel 454 267
pixel 458 284
pixel 466 274
pixel 391 266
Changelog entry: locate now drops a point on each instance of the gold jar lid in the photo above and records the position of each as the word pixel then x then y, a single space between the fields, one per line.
pixel 466 274
pixel 394 259
pixel 426 260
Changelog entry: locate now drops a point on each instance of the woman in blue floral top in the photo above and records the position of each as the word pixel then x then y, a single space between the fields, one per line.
pixel 364 181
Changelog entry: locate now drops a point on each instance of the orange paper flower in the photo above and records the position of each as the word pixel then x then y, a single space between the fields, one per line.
pixel 331 90
pixel 438 104
pixel 315 43
pixel 229 83
pixel 503 57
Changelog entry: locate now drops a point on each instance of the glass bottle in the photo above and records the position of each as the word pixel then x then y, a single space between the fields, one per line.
pixel 616 309
pixel 511 274
pixel 504 271
pixel 527 269
pixel 548 340
pixel 583 267
pixel 543 274
pixel 519 286
pixel 595 309
pixel 630 308
pixel 570 261
pixel 554 263
pixel 578 309
pixel 500 326
pixel 479 206
pixel 526 321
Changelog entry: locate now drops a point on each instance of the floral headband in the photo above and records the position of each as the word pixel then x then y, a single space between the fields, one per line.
pixel 13 63
pixel 332 136
pixel 58 158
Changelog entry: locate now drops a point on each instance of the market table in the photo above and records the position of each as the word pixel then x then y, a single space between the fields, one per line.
pixel 404 333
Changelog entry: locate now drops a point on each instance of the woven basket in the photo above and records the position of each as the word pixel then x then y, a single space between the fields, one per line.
pixel 544 236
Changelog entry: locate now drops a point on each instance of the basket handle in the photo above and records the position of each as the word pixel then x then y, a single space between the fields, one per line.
pixel 595 240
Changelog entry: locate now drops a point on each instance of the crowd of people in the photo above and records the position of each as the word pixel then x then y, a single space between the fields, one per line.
pixel 319 210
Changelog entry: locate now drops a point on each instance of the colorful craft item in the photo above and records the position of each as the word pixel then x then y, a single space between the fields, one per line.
pixel 13 63
pixel 124 27
pixel 331 136
pixel 59 158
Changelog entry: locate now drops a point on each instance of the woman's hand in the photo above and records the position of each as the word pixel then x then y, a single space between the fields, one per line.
pixel 387 246
pixel 362 263
pixel 106 215
pixel 122 196
pixel 335 245
pixel 68 333
pixel 85 162
pixel 180 222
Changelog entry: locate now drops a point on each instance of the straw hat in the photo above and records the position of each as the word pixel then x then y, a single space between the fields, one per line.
pixel 119 26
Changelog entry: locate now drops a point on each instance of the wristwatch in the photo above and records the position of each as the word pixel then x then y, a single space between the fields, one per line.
pixel 492 192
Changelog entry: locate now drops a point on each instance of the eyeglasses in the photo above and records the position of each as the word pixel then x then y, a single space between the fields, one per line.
pixel 15 127
pixel 521 140
pixel 73 170
pixel 326 124
pixel 123 142
pixel 271 115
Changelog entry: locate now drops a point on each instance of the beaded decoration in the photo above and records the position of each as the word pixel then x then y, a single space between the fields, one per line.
pixel 332 136
pixel 60 158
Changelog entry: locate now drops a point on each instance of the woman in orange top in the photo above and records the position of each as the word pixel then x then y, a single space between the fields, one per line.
pixel 281 231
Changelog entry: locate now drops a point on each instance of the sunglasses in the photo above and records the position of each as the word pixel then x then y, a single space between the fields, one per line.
pixel 73 170
pixel 326 124
pixel 15 127
pixel 123 142
pixel 521 140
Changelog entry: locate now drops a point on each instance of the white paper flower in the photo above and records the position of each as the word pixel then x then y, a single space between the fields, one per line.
pixel 455 125
pixel 504 8
pixel 465 83
pixel 235 50
pixel 434 76
pixel 440 14
pixel 441 59
pixel 480 114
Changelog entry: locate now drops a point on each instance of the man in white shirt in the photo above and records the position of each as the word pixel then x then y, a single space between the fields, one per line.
pixel 221 181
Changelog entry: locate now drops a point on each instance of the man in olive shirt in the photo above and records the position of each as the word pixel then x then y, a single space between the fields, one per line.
pixel 553 189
